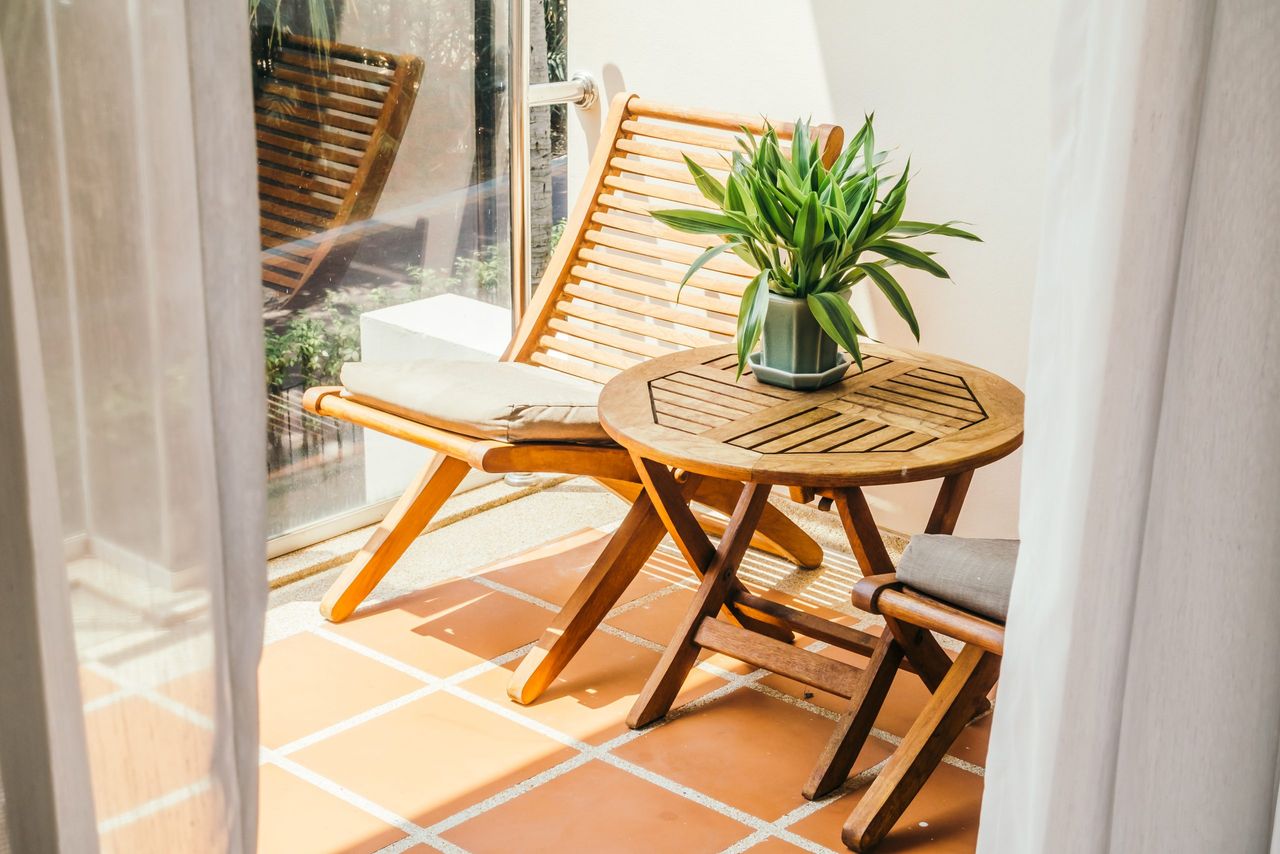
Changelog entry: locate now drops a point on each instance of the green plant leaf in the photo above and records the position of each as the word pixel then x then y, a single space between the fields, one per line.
pixel 809 224
pixel 755 304
pixel 800 146
pixel 906 228
pixel 869 146
pixel 891 208
pixel 772 211
pixel 837 319
pixel 894 293
pixel 908 256
pixel 712 189
pixel 700 222
pixel 700 262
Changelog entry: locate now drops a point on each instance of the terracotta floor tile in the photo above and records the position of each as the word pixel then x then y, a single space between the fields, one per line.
pixel 126 769
pixel 307 683
pixel 598 808
pixel 775 846
pixel 906 699
pixel 195 691
pixel 298 818
pixel 95 687
pixel 433 757
pixel 943 819
pixel 746 749
pixel 592 696
pixel 189 825
pixel 552 571
pixel 448 627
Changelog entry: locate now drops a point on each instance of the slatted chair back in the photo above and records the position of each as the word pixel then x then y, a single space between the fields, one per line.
pixel 329 122
pixel 608 297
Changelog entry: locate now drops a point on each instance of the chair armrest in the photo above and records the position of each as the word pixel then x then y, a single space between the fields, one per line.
pixel 907 606
pixel 866 593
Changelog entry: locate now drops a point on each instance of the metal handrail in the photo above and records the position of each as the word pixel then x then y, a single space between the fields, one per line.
pixel 579 90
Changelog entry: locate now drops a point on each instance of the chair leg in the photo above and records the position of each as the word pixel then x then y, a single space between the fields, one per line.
pixel 411 513
pixel 615 568
pixel 851 732
pixel 962 692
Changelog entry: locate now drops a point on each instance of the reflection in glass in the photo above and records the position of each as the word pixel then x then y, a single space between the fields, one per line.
pixel 385 227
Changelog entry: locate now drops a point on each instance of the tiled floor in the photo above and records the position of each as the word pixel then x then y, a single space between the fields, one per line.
pixel 392 732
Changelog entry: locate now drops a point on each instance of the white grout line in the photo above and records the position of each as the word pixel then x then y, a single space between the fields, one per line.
pixel 508 794
pixel 153 806
pixel 511 591
pixel 132 689
pixel 108 700
pixel 365 716
pixel 380 657
pixel 341 792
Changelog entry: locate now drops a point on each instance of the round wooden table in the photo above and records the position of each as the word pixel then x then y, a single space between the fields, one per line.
pixel 905 417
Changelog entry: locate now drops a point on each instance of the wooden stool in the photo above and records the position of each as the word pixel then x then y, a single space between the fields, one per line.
pixel 937 565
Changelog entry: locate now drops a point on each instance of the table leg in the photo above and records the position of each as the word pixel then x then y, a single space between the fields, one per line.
pixel 672 504
pixel 946 509
pixel 682 653
pixel 921 647
pixel 628 549
pixel 860 528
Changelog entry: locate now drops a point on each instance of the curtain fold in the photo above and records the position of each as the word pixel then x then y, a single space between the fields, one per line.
pixel 135 175
pixel 1139 708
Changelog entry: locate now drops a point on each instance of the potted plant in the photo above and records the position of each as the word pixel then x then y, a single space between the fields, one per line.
pixel 813 233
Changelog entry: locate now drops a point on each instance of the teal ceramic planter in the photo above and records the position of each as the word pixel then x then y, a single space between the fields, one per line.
pixel 795 352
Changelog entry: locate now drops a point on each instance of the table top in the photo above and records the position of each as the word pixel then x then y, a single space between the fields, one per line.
pixel 906 416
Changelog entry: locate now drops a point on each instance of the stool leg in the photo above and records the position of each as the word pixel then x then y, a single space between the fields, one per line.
pixel 952 706
pixel 851 732
pixel 682 653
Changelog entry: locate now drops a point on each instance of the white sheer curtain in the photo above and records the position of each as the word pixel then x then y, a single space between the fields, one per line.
pixel 1139 707
pixel 132 417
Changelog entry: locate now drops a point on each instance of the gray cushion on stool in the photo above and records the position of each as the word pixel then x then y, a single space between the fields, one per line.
pixel 973 574
pixel 508 401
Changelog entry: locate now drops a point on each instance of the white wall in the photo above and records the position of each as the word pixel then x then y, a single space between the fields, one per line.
pixel 961 87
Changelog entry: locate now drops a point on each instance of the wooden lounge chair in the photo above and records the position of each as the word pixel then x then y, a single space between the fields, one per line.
pixel 606 301
pixel 945 584
pixel 329 122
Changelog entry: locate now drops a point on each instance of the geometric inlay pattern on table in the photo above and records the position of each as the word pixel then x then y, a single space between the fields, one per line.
pixel 860 422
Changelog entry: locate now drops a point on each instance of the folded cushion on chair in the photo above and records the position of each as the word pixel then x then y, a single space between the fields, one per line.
pixel 509 401
pixel 970 573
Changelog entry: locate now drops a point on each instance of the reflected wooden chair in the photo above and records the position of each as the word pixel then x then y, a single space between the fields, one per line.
pixel 954 586
pixel 329 121
pixel 606 301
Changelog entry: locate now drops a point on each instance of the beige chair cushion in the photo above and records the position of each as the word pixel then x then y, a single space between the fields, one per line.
pixel 971 573
pixel 508 401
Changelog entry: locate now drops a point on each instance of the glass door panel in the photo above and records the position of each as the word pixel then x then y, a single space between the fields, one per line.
pixel 383 167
